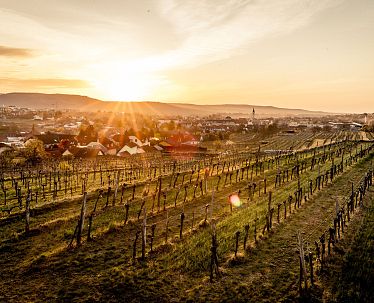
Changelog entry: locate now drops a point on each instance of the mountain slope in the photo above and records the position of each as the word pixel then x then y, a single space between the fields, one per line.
pixel 84 103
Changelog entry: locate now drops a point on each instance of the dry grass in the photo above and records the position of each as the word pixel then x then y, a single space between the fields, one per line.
pixel 40 268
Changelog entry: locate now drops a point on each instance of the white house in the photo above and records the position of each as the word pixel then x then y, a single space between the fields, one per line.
pixel 36 117
pixel 97 145
pixel 158 147
pixel 67 153
pixel 131 148
pixel 138 142
pixel 16 141
pixel 192 142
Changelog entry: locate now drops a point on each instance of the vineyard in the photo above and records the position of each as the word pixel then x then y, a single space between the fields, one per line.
pixel 261 219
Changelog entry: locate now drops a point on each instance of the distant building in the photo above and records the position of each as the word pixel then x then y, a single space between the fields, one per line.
pixel 36 117
pixel 82 152
pixel 97 145
pixel 129 148
pixel 138 142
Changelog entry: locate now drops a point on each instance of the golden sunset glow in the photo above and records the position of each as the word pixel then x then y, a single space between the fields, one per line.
pixel 124 87
pixel 299 54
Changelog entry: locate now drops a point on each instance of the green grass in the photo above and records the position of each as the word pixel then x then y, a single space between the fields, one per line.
pixel 103 268
pixel 350 273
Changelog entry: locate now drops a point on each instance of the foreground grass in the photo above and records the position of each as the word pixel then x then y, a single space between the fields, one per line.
pixel 350 273
pixel 102 270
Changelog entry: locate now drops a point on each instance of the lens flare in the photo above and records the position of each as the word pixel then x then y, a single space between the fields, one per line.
pixel 235 200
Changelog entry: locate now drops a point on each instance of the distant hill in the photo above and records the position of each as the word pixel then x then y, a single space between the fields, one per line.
pixel 87 104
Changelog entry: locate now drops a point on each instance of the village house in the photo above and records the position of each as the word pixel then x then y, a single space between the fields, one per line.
pixel 129 148
pixel 138 142
pixel 219 124
pixel 82 152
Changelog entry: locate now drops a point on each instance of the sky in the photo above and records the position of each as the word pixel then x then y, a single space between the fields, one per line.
pixel 310 54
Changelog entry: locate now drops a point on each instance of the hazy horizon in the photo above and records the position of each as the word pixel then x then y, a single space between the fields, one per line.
pixel 313 55
pixel 181 103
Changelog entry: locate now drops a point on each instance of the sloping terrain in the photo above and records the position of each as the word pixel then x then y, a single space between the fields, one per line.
pixel 84 103
pixel 40 268
pixel 350 277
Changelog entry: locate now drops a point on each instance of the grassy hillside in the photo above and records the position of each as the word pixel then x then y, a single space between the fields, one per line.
pixel 83 103
pixel 39 266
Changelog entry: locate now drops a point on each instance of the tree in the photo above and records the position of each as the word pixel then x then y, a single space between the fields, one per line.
pixel 171 125
pixel 130 132
pixel 64 144
pixel 327 128
pixel 34 151
pixel 316 129
pixel 87 134
pixel 58 114
pixel 6 157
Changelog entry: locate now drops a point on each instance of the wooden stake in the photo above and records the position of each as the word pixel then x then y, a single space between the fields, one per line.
pixel 81 220
pixel 181 226
pixel 237 235
pixel 144 233
pixel 246 230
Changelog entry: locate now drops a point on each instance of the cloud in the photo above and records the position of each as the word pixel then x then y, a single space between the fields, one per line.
pixel 217 29
pixel 105 46
pixel 15 52
pixel 44 83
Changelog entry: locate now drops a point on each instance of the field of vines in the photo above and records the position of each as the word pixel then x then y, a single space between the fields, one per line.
pixel 258 222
